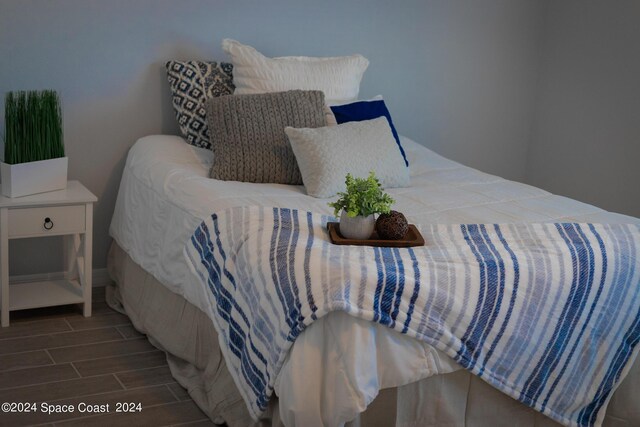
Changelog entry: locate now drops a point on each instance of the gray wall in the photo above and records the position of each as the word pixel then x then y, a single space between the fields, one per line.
pixel 458 75
pixel 586 134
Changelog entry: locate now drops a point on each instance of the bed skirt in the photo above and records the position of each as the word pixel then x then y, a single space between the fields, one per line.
pixel 188 337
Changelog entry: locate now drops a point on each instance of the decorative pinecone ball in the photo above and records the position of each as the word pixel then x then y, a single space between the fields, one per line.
pixel 392 226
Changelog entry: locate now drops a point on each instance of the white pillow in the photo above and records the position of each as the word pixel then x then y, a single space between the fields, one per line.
pixel 338 77
pixel 325 155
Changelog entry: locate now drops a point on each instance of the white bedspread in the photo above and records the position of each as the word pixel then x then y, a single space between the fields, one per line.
pixel 165 194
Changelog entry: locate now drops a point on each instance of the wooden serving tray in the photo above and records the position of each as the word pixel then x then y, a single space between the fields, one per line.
pixel 412 238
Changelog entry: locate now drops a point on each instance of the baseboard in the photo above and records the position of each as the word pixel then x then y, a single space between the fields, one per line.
pixel 100 277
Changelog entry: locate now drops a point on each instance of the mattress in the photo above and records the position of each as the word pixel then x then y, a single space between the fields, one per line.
pixel 165 193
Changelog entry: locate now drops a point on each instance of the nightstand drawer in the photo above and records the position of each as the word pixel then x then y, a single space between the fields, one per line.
pixel 52 220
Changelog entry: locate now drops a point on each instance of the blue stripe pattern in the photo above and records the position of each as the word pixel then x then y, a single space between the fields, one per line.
pixel 547 313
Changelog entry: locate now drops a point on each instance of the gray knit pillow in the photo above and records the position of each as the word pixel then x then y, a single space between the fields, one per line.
pixel 247 134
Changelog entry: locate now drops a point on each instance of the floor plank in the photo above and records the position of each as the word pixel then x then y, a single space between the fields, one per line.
pixel 93 351
pixel 38 327
pixel 109 365
pixel 65 339
pixel 146 377
pixel 128 331
pixel 41 374
pixel 29 359
pixel 203 423
pixel 100 307
pixel 147 396
pixel 111 319
pixel 61 390
pixel 161 415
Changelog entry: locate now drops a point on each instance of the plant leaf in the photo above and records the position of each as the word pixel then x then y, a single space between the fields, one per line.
pixel 363 196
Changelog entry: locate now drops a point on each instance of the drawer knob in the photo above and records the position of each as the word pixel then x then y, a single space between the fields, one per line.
pixel 48 224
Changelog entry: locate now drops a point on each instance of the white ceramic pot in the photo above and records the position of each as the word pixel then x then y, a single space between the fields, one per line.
pixel 359 227
pixel 24 179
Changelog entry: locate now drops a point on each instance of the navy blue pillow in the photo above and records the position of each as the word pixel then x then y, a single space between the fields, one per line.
pixel 367 110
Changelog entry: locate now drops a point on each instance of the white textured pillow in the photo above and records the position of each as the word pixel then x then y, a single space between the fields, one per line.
pixel 325 155
pixel 338 77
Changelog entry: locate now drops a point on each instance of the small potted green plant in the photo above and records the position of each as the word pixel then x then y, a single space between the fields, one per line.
pixel 34 159
pixel 358 205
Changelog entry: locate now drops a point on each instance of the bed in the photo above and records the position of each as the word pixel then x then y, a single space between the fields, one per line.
pixel 165 194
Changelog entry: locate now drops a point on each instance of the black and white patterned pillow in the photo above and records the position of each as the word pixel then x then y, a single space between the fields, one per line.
pixel 192 83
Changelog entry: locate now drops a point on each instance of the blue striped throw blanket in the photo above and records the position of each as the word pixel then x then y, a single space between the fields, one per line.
pixel 547 313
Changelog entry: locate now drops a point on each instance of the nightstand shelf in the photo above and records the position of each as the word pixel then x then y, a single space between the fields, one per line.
pixel 45 294
pixel 67 213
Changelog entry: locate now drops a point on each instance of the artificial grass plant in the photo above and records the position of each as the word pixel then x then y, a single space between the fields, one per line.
pixel 33 126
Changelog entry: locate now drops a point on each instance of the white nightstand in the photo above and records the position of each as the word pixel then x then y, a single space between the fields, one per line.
pixel 67 213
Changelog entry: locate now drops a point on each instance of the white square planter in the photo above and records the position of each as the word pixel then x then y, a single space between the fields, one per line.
pixel 23 179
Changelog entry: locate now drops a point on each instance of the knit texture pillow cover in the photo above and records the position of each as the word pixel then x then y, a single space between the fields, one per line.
pixel 338 76
pixel 248 139
pixel 327 154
